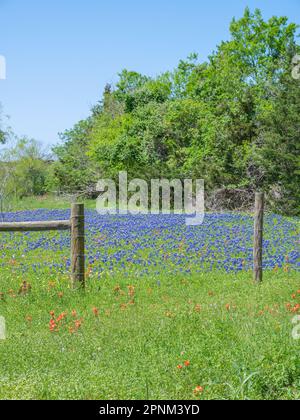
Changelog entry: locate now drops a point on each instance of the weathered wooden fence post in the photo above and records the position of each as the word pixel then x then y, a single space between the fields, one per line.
pixel 77 245
pixel 75 225
pixel 258 237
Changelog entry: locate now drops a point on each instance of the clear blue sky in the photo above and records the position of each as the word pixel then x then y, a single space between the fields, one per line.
pixel 61 53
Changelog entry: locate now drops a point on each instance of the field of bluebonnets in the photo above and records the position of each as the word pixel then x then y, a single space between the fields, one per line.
pixel 169 311
pixel 154 244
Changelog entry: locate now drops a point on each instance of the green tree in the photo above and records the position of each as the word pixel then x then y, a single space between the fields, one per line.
pixel 239 86
pixel 3 129
pixel 74 171
pixel 215 120
pixel 279 153
pixel 23 171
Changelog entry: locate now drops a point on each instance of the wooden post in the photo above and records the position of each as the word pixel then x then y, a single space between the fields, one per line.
pixel 77 246
pixel 258 237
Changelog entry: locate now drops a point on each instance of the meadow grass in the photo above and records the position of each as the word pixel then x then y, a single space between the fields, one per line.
pixel 49 201
pixel 128 335
pixel 129 341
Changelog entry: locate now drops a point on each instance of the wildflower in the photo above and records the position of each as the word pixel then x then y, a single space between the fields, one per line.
pixel 51 285
pixel 117 289
pixel 53 326
pixel 179 367
pixel 61 317
pixel 294 296
pixel 187 363
pixel 131 291
pixel 78 324
pixel 89 271
pixel 95 312
pixel 228 307
pixel 24 288
pixel 198 390
pixel 197 308
pixel 296 308
pixel 52 314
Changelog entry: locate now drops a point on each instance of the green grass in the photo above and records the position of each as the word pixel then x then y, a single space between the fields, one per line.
pixel 45 202
pixel 131 351
pixel 236 335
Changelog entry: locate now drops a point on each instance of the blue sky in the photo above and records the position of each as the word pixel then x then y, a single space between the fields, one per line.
pixel 61 53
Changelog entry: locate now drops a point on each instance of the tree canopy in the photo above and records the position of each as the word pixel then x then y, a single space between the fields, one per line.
pixel 233 120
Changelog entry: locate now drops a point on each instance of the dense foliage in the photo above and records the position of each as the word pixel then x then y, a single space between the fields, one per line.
pixel 3 129
pixel 233 120
pixel 24 171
